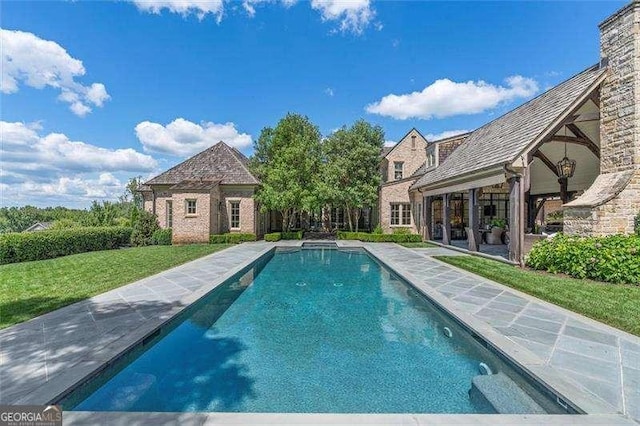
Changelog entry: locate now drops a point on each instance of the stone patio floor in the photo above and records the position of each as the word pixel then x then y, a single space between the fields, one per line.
pixel 46 355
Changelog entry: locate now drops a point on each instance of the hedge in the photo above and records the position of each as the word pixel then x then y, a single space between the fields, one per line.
pixel 293 235
pixel 380 238
pixel 614 258
pixel 162 237
pixel 26 246
pixel 273 237
pixel 236 238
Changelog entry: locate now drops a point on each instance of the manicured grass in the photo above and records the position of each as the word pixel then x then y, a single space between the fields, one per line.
pixel 30 289
pixel 418 245
pixel 615 304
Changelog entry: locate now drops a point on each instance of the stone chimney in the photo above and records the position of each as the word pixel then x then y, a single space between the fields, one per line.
pixel 620 93
pixel 610 204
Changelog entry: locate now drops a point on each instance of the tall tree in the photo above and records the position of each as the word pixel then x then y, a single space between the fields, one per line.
pixel 288 161
pixel 351 172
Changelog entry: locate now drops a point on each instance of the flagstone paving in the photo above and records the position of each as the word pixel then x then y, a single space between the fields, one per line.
pixel 599 359
pixel 43 356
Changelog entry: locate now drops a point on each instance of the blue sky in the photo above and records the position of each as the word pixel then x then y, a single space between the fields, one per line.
pixel 162 81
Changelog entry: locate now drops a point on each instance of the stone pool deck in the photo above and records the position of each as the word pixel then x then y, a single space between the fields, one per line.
pixel 595 366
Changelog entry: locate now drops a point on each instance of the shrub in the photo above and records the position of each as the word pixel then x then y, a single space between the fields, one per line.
pixel 636 224
pixel 377 229
pixel 401 231
pixel 143 229
pixel 235 238
pixel 294 235
pixel 23 247
pixel 162 237
pixel 273 237
pixel 614 258
pixel 380 238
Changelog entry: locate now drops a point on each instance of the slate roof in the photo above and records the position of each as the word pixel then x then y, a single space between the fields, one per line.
pixel 195 184
pixel 385 150
pixel 503 140
pixel 221 163
pixel 422 170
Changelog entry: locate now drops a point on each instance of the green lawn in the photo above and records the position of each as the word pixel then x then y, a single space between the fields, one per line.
pixel 30 289
pixel 418 245
pixel 615 304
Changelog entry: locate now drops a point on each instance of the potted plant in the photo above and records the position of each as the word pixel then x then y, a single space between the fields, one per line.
pixel 497 228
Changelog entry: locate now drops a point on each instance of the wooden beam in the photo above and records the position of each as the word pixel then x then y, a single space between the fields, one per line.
pixel 581 135
pixel 473 230
pixel 446 220
pixel 516 230
pixel 577 141
pixel 540 155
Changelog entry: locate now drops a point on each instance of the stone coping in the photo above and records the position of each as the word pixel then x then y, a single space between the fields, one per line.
pixel 72 351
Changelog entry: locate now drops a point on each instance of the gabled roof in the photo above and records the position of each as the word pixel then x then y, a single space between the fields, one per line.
pixel 38 226
pixel 503 140
pixel 220 163
pixel 387 149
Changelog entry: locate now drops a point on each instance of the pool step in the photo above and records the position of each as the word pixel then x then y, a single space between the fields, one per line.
pixel 503 394
pixel 319 244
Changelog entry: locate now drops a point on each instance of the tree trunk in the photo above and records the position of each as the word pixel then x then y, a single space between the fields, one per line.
pixel 356 214
pixel 347 212
pixel 285 220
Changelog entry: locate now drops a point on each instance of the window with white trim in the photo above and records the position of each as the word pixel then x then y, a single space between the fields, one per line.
pixel 235 214
pixel 398 167
pixel 190 207
pixel 169 214
pixel 400 214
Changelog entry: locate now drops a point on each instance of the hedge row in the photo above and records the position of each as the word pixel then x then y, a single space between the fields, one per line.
pixel 614 258
pixel 26 246
pixel 162 237
pixel 277 236
pixel 231 238
pixel 273 237
pixel 380 238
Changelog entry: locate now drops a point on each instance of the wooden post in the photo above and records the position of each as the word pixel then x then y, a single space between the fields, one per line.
pixel 564 193
pixel 446 220
pixel 515 220
pixel 473 230
pixel 426 233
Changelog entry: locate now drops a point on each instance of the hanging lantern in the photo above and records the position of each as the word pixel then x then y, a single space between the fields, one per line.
pixel 566 167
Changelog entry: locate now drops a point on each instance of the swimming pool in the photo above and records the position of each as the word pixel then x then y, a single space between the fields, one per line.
pixel 306 331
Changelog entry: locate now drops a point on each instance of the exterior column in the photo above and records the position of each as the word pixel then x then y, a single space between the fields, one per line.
pixel 446 220
pixel 426 231
pixel 473 230
pixel 515 220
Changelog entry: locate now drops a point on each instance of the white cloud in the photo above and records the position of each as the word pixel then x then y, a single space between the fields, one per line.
pixel 354 15
pixel 201 8
pixel 443 135
pixel 390 143
pixel 39 63
pixel 183 138
pixel 23 148
pixel 52 169
pixel 446 98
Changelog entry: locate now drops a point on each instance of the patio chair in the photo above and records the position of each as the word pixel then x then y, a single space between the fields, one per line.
pixel 495 236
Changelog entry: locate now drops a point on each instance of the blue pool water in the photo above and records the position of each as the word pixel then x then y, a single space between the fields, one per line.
pixel 312 331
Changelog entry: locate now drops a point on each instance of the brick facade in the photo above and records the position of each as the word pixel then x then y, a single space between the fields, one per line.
pixel 394 193
pixel 619 134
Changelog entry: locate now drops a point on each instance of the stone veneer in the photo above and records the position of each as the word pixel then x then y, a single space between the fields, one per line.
pixel 613 213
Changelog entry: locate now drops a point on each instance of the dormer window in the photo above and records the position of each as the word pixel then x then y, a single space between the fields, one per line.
pixel 398 167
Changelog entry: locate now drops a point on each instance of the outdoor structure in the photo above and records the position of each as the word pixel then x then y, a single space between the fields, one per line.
pixel 578 142
pixel 400 166
pixel 38 226
pixel 209 193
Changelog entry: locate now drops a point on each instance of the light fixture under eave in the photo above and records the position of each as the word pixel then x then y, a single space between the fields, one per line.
pixel 566 167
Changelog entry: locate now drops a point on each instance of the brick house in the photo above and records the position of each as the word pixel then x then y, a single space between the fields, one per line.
pixel 401 165
pixel 578 142
pixel 209 193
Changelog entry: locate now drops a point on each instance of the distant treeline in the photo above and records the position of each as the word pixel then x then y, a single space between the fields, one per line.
pixel 119 213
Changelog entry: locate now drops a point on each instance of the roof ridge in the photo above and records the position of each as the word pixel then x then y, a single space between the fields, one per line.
pixel 241 159
pixel 181 163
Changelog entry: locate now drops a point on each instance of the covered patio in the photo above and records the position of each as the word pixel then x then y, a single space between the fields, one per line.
pixel 504 187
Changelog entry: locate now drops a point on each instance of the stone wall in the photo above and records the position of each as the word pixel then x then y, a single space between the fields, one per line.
pixel 412 157
pixel 394 193
pixel 607 208
pixel 191 228
pixel 247 209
